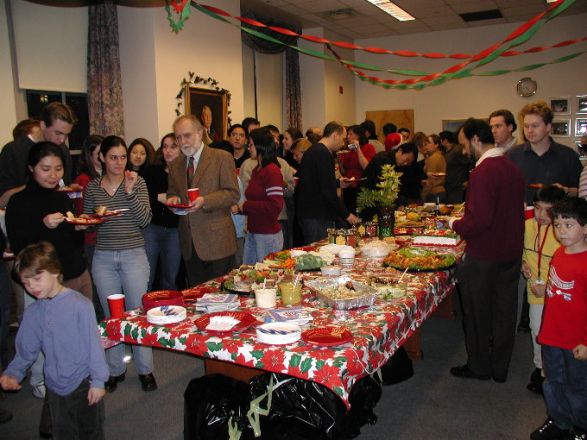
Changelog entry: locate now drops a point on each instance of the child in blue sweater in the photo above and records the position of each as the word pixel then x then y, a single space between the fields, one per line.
pixel 61 324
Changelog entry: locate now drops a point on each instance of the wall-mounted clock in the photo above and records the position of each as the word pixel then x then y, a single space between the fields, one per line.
pixel 526 87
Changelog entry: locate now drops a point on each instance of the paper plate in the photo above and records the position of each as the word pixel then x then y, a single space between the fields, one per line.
pixel 327 336
pixel 84 221
pixel 166 315
pixel 245 321
pixel 278 333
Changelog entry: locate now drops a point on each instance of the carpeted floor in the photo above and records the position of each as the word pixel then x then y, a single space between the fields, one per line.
pixel 431 405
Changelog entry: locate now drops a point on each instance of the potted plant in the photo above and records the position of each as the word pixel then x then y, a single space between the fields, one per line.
pixel 383 198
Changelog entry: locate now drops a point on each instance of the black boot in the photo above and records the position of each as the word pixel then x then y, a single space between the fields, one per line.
pixel 536 380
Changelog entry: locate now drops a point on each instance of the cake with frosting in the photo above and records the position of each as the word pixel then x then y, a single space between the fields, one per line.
pixel 437 237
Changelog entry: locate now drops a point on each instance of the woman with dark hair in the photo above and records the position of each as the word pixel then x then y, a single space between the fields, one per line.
pixel 162 236
pixel 352 163
pixel 264 199
pixel 37 213
pixel 141 154
pixel 291 135
pixel 435 168
pixel 120 262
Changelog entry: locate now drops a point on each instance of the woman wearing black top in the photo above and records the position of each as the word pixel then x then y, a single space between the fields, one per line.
pixel 37 213
pixel 162 236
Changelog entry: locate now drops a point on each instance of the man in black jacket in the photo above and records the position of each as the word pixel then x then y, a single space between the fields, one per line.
pixel 317 202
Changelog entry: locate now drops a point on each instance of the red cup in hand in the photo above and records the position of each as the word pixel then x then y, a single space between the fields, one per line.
pixel 529 212
pixel 116 305
pixel 193 194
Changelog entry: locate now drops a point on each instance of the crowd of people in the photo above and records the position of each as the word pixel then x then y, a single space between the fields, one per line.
pixel 260 191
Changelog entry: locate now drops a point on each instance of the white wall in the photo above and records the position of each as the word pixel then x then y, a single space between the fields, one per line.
pixel 205 46
pixel 8 113
pixel 312 74
pixel 339 106
pixel 477 96
pixel 51 43
pixel 270 86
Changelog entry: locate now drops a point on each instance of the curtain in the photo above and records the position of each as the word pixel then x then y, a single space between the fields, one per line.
pixel 293 95
pixel 293 90
pixel 105 106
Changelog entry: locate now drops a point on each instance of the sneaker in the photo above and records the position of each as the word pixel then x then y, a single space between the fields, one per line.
pixel 549 431
pixel 578 434
pixel 39 391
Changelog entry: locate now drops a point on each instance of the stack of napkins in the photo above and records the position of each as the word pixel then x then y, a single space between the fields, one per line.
pixel 295 315
pixel 217 302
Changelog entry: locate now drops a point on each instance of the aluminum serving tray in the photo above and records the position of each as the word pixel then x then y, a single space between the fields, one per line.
pixel 366 294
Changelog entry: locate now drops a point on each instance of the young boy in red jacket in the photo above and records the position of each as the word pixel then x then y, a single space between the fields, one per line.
pixel 563 334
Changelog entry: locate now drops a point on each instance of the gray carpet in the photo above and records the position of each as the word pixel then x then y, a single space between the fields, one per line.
pixel 431 405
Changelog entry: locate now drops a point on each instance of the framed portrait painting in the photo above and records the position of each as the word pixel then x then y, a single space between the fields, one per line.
pixel 210 107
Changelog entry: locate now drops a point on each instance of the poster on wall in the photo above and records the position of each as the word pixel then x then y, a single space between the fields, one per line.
pixel 561 127
pixel 560 106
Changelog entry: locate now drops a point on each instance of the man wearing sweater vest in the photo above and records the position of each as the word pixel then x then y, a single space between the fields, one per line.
pixel 493 227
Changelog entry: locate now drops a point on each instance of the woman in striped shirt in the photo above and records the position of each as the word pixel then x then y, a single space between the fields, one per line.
pixel 264 199
pixel 120 263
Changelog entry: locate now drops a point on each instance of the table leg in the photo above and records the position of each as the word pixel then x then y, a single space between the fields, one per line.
pixel 413 345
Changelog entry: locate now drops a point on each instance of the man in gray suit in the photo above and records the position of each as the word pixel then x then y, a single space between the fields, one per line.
pixel 208 239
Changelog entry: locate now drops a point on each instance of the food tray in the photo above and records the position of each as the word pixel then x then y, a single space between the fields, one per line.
pixel 366 295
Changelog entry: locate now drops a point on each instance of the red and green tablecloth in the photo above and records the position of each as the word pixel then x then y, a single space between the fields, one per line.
pixel 377 331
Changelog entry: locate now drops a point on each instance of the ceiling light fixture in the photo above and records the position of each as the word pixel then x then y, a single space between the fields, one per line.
pixel 392 9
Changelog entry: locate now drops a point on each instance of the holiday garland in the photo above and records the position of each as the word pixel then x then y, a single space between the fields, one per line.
pixel 461 70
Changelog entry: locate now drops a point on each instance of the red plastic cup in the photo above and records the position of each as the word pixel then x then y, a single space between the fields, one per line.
pixel 116 305
pixel 529 212
pixel 193 194
pixel 296 181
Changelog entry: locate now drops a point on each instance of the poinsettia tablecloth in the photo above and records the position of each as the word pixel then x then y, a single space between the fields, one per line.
pixel 377 333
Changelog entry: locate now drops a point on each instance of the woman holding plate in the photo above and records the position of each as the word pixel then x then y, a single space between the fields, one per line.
pixel 120 262
pixel 264 199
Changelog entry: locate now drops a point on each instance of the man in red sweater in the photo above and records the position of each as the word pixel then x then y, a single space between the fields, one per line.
pixel 493 227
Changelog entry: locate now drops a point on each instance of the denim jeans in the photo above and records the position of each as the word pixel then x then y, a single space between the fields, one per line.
pixel 257 246
pixel 565 387
pixel 125 271
pixel 162 243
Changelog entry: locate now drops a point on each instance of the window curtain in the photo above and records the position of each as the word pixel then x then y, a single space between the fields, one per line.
pixel 105 106
pixel 293 94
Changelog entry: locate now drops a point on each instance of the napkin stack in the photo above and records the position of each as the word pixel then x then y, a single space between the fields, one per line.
pixel 217 302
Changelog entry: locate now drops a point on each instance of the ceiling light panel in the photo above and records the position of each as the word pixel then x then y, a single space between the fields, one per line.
pixel 392 9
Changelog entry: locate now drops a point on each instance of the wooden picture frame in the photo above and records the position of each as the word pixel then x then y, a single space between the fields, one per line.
pixel 196 98
pixel 561 128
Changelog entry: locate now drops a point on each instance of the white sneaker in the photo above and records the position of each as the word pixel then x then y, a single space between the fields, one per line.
pixel 39 391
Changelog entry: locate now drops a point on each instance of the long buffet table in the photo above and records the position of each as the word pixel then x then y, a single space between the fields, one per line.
pixel 377 331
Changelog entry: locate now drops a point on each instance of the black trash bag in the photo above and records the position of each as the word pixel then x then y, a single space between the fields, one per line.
pixel 209 404
pixel 300 410
pixel 363 398
pixel 398 368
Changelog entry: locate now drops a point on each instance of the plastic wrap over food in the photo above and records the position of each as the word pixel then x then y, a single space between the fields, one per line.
pixel 343 293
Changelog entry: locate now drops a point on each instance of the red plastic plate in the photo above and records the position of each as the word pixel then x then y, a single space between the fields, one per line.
pixel 327 336
pixel 245 318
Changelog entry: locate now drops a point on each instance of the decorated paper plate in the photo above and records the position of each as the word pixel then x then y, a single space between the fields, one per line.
pixel 327 336
pixel 243 321
pixel 110 213
pixel 85 221
pixel 166 315
pixel 278 333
